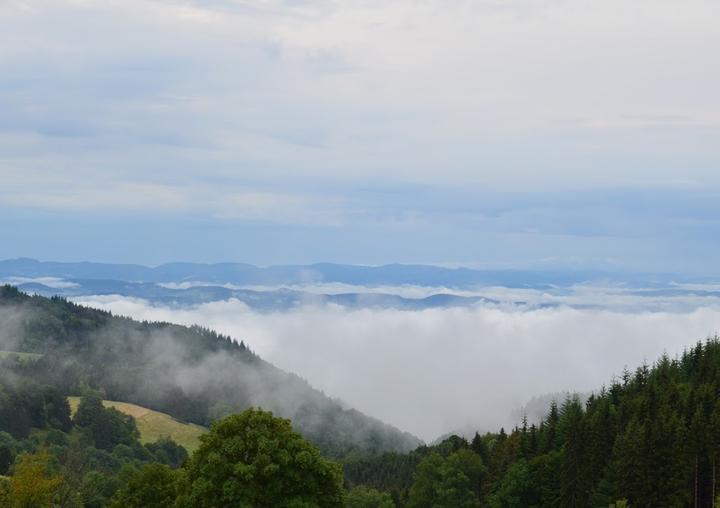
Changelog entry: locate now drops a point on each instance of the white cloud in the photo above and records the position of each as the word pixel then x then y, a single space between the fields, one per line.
pixel 349 115
pixel 240 204
pixel 509 94
pixel 52 282
pixel 432 371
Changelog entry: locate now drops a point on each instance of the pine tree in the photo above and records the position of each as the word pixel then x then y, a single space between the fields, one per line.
pixel 574 481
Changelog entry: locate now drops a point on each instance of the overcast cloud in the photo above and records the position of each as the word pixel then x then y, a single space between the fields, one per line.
pixel 496 133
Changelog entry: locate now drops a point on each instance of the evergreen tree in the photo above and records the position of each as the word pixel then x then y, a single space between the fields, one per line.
pixel 574 480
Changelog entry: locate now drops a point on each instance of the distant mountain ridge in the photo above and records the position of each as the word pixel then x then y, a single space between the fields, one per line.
pixel 392 274
pixel 396 286
pixel 268 300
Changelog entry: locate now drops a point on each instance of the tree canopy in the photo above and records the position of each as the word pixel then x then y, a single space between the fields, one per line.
pixel 256 459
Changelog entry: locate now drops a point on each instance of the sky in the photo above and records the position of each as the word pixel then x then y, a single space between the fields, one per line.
pixel 486 133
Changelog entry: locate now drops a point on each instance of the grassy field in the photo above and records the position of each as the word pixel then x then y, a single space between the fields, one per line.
pixel 154 425
pixel 21 356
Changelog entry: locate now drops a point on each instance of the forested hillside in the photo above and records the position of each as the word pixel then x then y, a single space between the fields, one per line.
pixel 650 438
pixel 191 373
pixel 95 460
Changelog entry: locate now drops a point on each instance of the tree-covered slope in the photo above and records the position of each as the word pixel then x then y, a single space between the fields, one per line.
pixel 191 373
pixel 651 438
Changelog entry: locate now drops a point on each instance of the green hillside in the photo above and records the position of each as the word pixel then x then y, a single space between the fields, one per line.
pixel 192 374
pixel 154 425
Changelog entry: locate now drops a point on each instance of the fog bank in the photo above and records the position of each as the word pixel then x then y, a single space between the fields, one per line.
pixel 432 371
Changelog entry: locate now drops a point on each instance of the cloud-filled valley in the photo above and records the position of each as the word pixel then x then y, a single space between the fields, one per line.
pixel 427 349
pixel 432 371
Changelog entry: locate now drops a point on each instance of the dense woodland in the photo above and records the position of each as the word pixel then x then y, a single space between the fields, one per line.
pixel 96 460
pixel 648 439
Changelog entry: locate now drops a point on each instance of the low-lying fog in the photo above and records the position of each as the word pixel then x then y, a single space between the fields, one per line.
pixel 432 371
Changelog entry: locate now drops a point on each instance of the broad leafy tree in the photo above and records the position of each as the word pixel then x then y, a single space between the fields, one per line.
pixel 255 459
pixel 152 486
pixel 365 497
pixel 33 484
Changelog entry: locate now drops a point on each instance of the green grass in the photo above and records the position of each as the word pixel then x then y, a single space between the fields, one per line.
pixel 21 356
pixel 154 425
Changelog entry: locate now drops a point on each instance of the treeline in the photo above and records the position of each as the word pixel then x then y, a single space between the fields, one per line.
pixel 649 439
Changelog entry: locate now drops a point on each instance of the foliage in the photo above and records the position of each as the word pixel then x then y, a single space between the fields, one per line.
pixel 365 497
pixel 515 489
pixel 106 427
pixel 8 450
pixel 168 452
pixel 446 482
pixel 152 486
pixel 32 484
pixel 25 404
pixel 97 489
pixel 256 459
pixel 5 499
pixel 649 439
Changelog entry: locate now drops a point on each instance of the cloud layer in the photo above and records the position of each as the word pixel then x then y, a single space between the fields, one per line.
pixel 434 371
pixel 497 132
pixel 170 93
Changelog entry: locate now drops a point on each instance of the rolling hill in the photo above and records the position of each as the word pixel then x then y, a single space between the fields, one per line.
pixel 190 373
pixel 154 425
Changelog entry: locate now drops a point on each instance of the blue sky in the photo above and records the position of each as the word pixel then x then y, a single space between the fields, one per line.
pixel 517 133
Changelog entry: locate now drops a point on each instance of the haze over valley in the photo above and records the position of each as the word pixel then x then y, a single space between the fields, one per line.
pixel 412 354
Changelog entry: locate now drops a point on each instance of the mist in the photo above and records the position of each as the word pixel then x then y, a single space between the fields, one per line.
pixel 191 373
pixel 434 371
pixel 12 320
